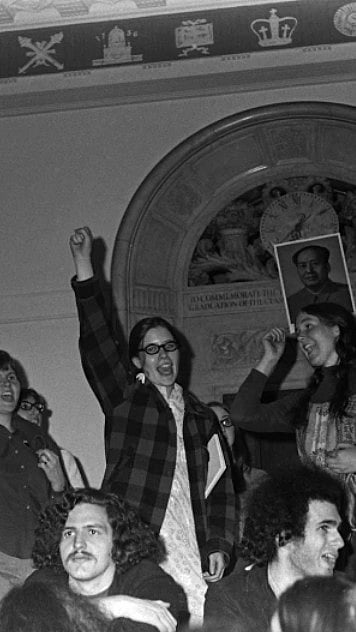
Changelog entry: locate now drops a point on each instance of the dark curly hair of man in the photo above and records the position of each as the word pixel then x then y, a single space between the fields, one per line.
pixel 277 510
pixel 133 540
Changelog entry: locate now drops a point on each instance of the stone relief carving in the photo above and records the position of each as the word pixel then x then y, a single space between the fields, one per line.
pixel 230 248
pixel 230 349
pixel 348 216
pixel 281 140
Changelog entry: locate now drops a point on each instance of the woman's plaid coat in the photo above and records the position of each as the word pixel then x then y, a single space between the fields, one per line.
pixel 141 434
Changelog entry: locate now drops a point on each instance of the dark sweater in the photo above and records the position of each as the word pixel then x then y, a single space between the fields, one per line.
pixel 24 488
pixel 240 602
pixel 145 580
pixel 250 413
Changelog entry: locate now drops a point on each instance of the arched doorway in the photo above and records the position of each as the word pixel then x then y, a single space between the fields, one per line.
pixel 163 261
pixel 181 196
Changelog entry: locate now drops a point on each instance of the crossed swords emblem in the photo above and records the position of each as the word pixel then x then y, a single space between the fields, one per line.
pixel 41 53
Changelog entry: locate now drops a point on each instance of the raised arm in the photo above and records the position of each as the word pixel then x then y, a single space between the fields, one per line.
pixel 274 343
pixel 247 410
pixel 101 357
pixel 81 242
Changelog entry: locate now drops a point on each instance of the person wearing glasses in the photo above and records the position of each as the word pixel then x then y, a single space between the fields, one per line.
pixel 245 477
pixel 225 422
pixel 157 456
pixel 32 408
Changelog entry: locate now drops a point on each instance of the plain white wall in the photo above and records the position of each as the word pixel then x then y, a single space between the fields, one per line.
pixel 65 169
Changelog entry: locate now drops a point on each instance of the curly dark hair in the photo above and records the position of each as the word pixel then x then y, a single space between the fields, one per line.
pixel 30 392
pixel 133 540
pixel 44 607
pixel 331 314
pixel 318 604
pixel 277 509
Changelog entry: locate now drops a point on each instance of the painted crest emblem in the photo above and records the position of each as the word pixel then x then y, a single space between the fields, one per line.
pixel 194 35
pixel 274 31
pixel 41 53
pixel 345 19
pixel 117 47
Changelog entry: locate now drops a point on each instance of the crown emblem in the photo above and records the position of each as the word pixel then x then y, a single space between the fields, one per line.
pixel 275 31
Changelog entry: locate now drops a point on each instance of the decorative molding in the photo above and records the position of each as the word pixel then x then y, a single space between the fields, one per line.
pixel 227 161
pixel 106 88
pixel 139 57
pixel 234 349
pixel 149 300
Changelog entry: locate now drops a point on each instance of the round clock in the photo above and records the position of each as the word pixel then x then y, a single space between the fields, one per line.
pixel 297 215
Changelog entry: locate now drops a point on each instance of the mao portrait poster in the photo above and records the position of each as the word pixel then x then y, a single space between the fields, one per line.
pixel 313 270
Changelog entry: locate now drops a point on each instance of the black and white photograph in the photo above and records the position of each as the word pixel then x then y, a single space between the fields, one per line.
pixel 313 270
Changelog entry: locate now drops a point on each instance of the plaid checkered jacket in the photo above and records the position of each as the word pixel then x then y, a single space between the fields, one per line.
pixel 141 451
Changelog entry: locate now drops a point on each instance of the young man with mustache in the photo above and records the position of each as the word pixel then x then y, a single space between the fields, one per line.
pixel 95 544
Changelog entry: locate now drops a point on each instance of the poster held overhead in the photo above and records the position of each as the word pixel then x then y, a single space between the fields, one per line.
pixel 313 270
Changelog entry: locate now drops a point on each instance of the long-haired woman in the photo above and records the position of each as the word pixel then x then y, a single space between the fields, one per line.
pixel 323 414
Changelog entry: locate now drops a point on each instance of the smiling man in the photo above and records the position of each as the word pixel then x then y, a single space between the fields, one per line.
pixel 97 545
pixel 291 532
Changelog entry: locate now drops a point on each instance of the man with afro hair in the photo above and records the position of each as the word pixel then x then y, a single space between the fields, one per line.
pixel 291 531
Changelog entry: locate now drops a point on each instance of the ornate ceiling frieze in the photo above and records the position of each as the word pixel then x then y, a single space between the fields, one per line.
pixel 49 44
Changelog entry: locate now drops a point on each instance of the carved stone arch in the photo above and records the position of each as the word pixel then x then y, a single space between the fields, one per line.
pixel 182 194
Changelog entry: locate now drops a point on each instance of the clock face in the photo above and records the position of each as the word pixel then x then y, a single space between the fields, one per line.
pixel 297 215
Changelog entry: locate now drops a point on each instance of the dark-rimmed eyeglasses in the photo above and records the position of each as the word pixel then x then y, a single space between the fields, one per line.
pixel 226 422
pixel 153 349
pixel 25 405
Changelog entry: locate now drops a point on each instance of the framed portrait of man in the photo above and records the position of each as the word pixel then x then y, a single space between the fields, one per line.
pixel 313 270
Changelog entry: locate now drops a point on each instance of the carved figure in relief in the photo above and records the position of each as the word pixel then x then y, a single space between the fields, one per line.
pixel 234 246
pixel 349 214
pixel 230 349
pixel 320 187
pixel 234 253
pixel 224 351
pixel 273 190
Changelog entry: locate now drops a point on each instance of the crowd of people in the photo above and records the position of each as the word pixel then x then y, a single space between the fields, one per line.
pixel 152 550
